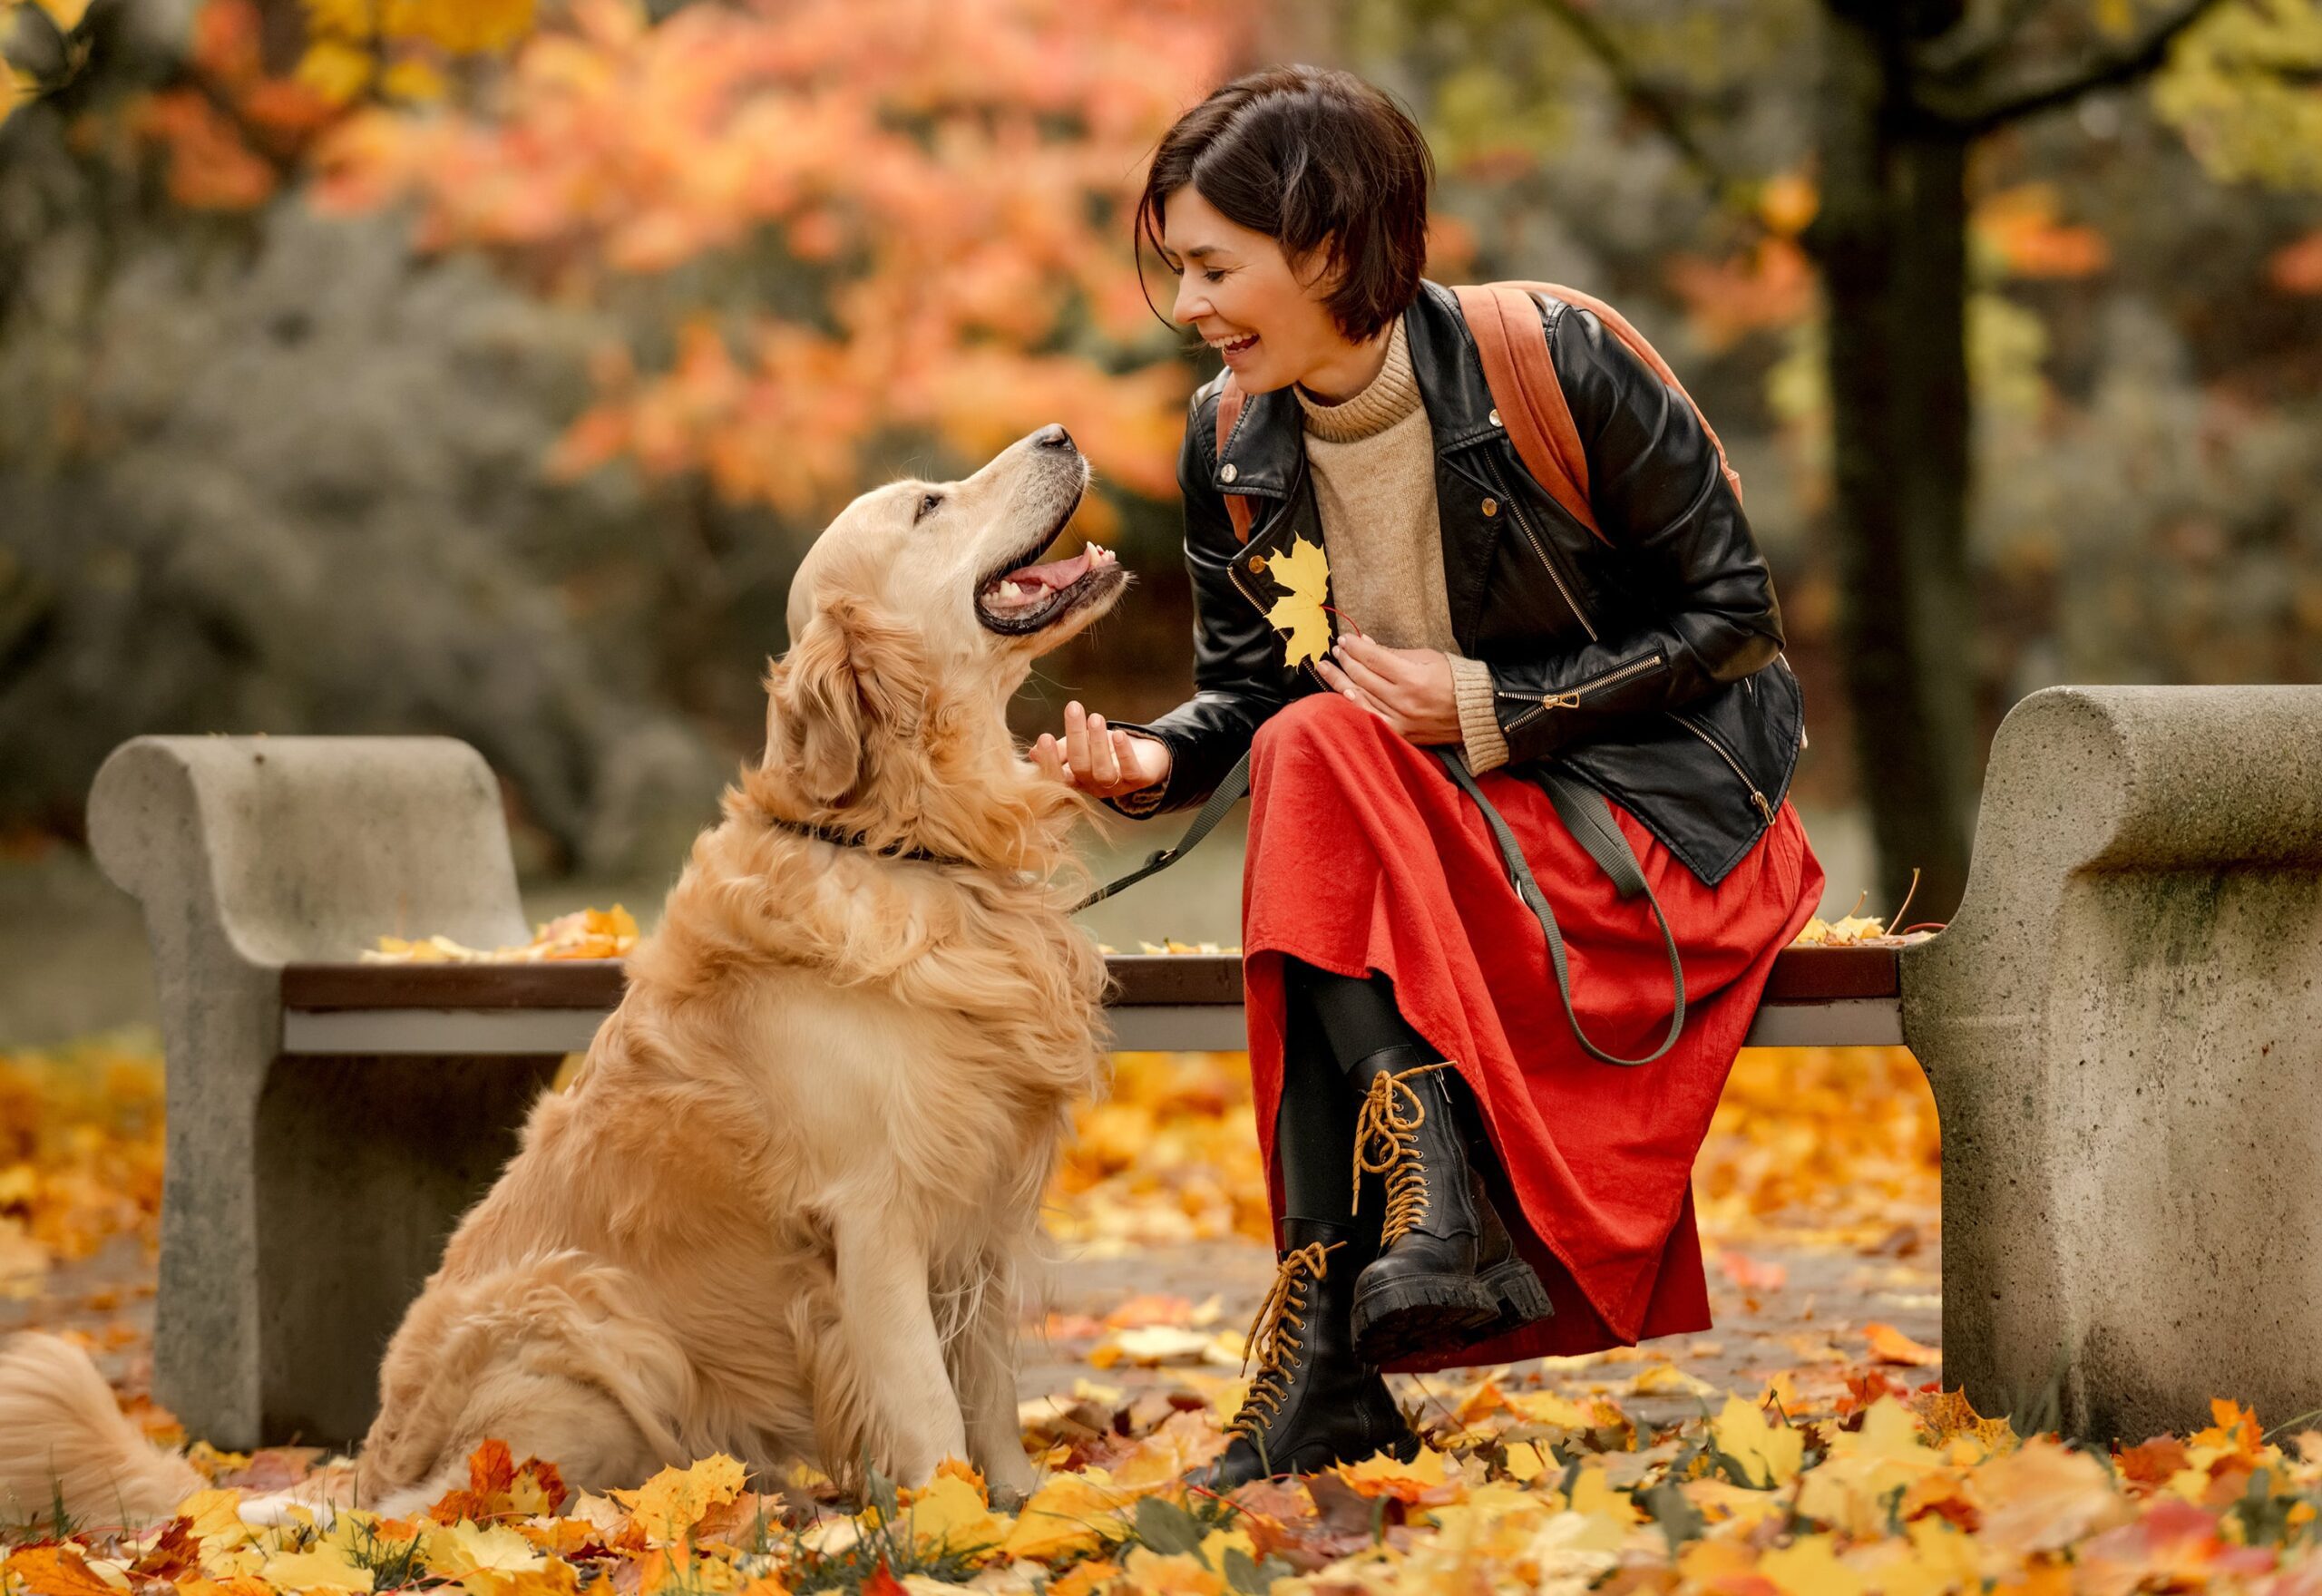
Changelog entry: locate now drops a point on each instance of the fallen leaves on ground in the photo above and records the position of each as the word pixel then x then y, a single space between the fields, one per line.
pixel 1832 1147
pixel 80 1151
pixel 1515 1489
pixel 1170 1156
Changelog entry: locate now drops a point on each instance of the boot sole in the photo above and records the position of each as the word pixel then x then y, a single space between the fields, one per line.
pixel 1522 1299
pixel 1428 1313
pixel 1418 1312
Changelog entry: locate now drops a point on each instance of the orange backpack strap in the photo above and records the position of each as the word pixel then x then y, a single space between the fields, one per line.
pixel 1238 507
pixel 1504 320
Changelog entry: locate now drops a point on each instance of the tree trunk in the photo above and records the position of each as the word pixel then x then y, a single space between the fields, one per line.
pixel 1890 240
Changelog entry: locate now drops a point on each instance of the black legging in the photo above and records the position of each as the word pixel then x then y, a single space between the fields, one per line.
pixel 1331 1023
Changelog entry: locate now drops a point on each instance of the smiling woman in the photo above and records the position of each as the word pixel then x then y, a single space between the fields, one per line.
pixel 1383 588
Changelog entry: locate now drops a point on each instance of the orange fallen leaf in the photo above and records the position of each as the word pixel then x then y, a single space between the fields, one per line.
pixel 1890 1345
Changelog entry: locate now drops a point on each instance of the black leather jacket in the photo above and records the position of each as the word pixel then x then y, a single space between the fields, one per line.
pixel 1649 667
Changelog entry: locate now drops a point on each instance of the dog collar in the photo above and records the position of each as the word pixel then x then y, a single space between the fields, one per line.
pixel 846 840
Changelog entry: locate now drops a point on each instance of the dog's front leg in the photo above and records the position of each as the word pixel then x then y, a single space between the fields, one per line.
pixel 890 1340
pixel 985 1360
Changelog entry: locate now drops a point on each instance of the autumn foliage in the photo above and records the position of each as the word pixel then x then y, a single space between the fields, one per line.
pixel 903 216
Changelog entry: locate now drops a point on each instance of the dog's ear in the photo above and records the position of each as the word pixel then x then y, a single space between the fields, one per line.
pixel 853 675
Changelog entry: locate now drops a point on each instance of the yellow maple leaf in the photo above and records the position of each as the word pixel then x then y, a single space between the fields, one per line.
pixel 1383 1475
pixel 1768 1451
pixel 1068 1514
pixel 464 1549
pixel 1855 1484
pixel 322 1569
pixel 951 1514
pixel 673 1501
pixel 1809 1566
pixel 1299 614
pixel 216 1514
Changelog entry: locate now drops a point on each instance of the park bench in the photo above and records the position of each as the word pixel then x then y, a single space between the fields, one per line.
pixel 2120 1027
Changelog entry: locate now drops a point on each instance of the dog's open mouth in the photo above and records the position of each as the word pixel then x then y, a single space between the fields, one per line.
pixel 1022 596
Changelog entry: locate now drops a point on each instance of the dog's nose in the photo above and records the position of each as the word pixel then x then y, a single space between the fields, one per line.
pixel 1053 437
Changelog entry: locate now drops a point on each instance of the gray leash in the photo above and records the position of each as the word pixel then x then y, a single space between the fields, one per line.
pixel 1589 818
pixel 1229 793
pixel 1585 816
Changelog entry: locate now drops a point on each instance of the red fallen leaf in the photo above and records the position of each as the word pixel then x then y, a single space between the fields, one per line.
pixel 500 1487
pixel 2149 1466
pixel 491 1472
pixel 174 1555
pixel 882 1583
pixel 1865 1386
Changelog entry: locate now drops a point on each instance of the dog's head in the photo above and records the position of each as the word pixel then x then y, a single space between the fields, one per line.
pixel 921 589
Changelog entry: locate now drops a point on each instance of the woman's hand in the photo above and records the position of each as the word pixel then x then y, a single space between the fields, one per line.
pixel 1408 688
pixel 1099 760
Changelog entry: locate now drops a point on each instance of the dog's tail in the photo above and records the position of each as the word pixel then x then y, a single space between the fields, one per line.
pixel 66 1447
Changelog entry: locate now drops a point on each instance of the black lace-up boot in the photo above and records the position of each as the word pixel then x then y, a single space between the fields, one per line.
pixel 1312 1402
pixel 1448 1273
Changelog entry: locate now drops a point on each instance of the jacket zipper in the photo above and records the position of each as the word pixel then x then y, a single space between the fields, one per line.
pixel 1756 797
pixel 1570 697
pixel 1524 525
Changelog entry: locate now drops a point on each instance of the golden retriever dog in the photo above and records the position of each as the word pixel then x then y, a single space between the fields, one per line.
pixel 782 1209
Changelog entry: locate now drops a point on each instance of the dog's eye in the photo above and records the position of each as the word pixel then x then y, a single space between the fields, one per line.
pixel 927 505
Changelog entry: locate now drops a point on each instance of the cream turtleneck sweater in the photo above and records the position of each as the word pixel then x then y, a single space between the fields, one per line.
pixel 1373 460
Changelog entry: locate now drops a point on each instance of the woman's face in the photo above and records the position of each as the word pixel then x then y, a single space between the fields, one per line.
pixel 1238 290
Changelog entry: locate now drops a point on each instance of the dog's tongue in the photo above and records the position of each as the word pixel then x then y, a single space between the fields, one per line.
pixel 1056 573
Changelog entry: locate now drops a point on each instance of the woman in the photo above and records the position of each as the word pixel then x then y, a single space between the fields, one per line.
pixel 1454 1178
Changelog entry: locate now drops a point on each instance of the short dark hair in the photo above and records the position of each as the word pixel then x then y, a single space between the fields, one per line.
pixel 1315 159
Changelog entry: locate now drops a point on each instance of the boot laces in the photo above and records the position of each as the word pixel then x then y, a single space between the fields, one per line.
pixel 1276 1338
pixel 1385 1143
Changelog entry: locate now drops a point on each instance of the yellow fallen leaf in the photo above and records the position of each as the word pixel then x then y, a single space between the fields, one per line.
pixel 216 1514
pixel 1385 1475
pixel 673 1501
pixel 1070 1513
pixel 1547 1410
pixel 322 1569
pixel 951 1514
pixel 1179 1573
pixel 1770 1452
pixel 1809 1566
pixel 464 1549
pixel 1593 1496
pixel 1299 614
pixel 1852 1487
pixel 1667 1379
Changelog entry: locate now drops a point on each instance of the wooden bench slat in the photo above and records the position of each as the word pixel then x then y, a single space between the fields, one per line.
pixel 1800 975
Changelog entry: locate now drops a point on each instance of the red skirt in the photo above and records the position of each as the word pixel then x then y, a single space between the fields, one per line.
pixel 1364 856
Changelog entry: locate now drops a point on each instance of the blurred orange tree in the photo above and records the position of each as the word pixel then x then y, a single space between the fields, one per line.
pixel 868 215
pixel 905 215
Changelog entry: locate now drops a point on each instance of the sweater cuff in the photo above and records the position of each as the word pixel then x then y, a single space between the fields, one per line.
pixel 1486 745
